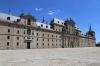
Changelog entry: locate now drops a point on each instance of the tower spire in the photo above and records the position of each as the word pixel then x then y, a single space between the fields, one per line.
pixel 9 13
pixel 22 12
pixel 43 19
pixel 89 26
pixel 70 18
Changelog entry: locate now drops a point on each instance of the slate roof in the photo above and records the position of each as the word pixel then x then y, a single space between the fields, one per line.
pixel 44 26
pixel 3 17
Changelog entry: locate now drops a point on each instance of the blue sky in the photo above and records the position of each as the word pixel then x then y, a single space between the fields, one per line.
pixel 82 12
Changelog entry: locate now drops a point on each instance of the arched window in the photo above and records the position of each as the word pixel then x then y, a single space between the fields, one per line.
pixel 28 22
pixel 28 31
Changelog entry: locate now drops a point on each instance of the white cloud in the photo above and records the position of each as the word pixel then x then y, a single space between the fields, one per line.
pixel 58 10
pixel 51 13
pixel 41 9
pixel 38 9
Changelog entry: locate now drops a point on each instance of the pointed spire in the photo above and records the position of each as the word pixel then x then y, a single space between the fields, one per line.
pixel 43 19
pixel 46 22
pixel 9 13
pixel 22 12
pixel 67 19
pixel 90 26
pixel 70 18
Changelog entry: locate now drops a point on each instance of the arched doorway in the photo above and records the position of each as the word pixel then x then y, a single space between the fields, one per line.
pixel 72 45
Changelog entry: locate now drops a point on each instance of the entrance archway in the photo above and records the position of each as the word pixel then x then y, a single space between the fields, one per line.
pixel 28 45
pixel 72 45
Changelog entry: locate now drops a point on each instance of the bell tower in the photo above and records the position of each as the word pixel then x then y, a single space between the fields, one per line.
pixel 91 32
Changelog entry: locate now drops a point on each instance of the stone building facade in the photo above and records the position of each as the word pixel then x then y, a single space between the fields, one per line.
pixel 25 32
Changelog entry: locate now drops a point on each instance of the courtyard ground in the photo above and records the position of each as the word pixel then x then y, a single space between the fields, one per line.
pixel 87 56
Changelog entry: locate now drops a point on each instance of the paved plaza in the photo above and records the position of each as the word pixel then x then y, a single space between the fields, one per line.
pixel 86 56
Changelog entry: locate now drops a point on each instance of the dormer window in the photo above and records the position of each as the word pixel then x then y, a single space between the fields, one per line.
pixel 41 25
pixel 8 18
pixel 62 23
pixel 18 20
pixel 28 22
pixel 46 26
pixel 58 21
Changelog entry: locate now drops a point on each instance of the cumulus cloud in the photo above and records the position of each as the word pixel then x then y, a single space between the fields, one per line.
pixel 38 9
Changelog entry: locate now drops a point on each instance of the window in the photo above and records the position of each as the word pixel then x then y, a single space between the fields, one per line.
pixel 48 39
pixel 32 33
pixel 58 21
pixel 43 39
pixel 18 20
pixel 7 43
pixel 37 44
pixel 8 37
pixel 48 35
pixel 43 44
pixel 8 30
pixel 8 18
pixel 52 40
pixel 37 34
pixel 52 35
pixel 46 26
pixel 17 32
pixel 56 40
pixel 17 38
pixel 43 34
pixel 28 31
pixel 56 44
pixel 56 36
pixel 28 22
pixel 52 44
pixel 41 25
pixel 24 32
pixel 60 44
pixel 62 23
pixel 17 44
pixel 48 44
pixel 37 39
